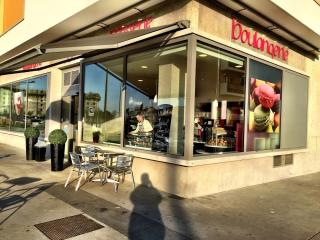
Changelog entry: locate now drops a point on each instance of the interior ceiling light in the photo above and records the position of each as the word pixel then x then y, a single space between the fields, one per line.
pixel 140 80
pixel 144 66
pixel 238 66
pixel 203 55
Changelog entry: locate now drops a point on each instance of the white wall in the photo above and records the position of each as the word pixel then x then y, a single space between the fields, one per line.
pixel 306 11
pixel 39 16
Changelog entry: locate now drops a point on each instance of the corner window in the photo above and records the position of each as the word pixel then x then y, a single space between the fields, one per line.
pixel 219 102
pixel 102 98
pixel 154 106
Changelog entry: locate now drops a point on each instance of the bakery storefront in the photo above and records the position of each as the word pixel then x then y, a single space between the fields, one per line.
pixel 196 111
pixel 216 106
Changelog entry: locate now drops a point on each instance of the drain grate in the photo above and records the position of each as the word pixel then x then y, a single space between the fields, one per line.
pixel 68 227
pixel 315 237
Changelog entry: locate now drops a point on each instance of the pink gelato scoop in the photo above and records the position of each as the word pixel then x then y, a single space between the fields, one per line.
pixel 266 96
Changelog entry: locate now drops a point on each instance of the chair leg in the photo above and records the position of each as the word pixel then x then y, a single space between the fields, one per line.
pixel 123 177
pixel 65 185
pixel 78 185
pixel 101 180
pixel 116 183
pixel 134 184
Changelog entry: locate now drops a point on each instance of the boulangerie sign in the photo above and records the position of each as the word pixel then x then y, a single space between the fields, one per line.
pixel 137 25
pixel 252 38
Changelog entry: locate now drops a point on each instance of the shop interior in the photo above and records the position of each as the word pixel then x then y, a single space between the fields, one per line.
pixel 155 88
pixel 219 102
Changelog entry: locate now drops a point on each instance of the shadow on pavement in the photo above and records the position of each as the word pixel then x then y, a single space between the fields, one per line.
pixel 22 181
pixel 146 200
pixel 6 155
pixel 144 222
pixel 13 200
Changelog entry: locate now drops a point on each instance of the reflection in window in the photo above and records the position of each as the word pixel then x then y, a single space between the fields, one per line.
pixel 18 106
pixel 264 105
pixel 219 102
pixel 155 100
pixel 102 91
pixel 37 94
pixel 5 103
pixel 24 105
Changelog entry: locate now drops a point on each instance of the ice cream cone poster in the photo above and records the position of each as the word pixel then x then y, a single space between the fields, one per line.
pixel 264 115
pixel 18 102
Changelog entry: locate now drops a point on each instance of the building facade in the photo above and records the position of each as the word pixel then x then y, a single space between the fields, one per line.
pixel 229 88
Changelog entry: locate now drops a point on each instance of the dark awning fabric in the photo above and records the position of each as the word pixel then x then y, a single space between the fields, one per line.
pixel 84 46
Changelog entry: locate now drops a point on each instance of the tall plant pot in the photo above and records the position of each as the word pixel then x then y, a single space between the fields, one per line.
pixel 30 151
pixel 57 156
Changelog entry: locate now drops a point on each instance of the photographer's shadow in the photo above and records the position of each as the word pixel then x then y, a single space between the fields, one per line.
pixel 145 220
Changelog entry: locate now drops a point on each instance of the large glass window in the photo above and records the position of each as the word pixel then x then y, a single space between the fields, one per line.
pixel 37 94
pixel 102 97
pixel 18 107
pixel 155 100
pixel 265 107
pixel 5 104
pixel 24 104
pixel 219 102
pixel 154 88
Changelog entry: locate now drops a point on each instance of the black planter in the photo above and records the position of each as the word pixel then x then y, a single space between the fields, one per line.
pixel 40 154
pixel 57 156
pixel 30 151
pixel 95 138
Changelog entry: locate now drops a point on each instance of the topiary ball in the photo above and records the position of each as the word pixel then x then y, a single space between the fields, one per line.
pixel 57 136
pixel 31 132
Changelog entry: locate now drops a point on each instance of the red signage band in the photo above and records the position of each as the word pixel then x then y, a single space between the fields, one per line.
pixel 140 24
pixel 257 41
pixel 31 66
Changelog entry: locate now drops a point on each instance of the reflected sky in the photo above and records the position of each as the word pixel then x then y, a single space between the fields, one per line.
pixel 95 82
pixel 39 83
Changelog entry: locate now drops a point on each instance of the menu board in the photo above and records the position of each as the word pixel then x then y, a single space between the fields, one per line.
pixel 161 128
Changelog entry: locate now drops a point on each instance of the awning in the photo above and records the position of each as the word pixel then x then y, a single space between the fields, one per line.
pixel 84 46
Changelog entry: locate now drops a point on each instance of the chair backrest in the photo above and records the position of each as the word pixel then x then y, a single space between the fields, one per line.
pixel 87 155
pixel 92 148
pixel 75 159
pixel 124 161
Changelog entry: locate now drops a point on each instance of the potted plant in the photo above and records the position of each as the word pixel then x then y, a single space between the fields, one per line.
pixel 31 134
pixel 96 136
pixel 57 139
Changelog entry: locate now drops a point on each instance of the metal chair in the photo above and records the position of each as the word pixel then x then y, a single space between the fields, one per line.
pixel 91 153
pixel 121 166
pixel 82 168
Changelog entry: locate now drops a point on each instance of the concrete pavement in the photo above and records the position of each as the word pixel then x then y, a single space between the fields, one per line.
pixel 30 194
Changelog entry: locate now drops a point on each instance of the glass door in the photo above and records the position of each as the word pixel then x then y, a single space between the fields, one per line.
pixel 69 121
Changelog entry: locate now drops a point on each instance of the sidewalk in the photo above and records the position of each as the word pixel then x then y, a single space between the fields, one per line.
pixel 30 194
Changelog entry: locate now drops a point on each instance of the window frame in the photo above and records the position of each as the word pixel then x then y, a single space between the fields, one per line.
pixel 202 44
pixel 47 75
pixel 124 53
pixel 82 99
pixel 192 40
